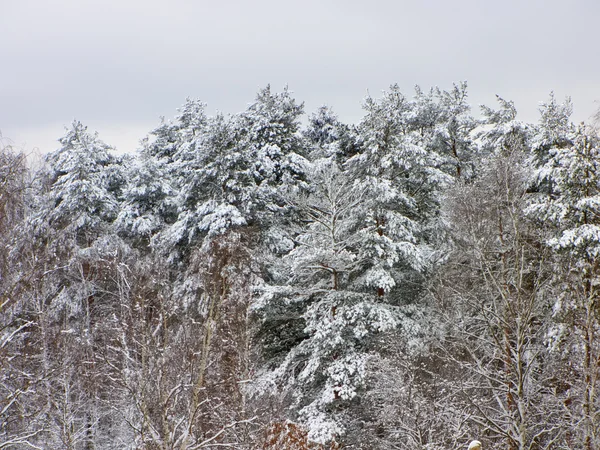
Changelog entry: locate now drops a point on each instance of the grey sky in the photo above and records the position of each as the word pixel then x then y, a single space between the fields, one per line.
pixel 117 65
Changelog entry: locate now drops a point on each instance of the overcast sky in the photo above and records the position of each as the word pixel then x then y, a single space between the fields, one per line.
pixel 118 65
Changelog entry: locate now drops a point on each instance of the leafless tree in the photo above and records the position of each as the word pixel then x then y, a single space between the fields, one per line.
pixel 494 293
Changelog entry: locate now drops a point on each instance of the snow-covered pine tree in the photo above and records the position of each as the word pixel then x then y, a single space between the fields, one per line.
pixel 80 198
pixel 569 209
pixel 554 130
pixel 452 136
pixel 327 136
pixel 501 131
pixel 159 190
pixel 229 171
pixel 268 135
pixel 147 202
pixel 356 268
pixel 317 324
pixel 401 180
pixel 71 239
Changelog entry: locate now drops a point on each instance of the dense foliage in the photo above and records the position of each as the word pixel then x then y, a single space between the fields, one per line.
pixel 266 280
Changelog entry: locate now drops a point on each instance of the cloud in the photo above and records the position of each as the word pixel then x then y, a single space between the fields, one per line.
pixel 130 61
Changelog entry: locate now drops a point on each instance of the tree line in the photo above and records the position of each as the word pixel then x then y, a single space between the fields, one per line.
pixel 270 280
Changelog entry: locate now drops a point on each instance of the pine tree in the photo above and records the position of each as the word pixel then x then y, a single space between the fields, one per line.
pixel 568 207
pixel 318 321
pixel 71 239
pixel 80 198
pixel 400 179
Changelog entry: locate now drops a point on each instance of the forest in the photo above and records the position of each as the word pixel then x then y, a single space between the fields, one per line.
pixel 276 279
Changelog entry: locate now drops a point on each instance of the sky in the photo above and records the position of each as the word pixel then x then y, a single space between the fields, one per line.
pixel 119 65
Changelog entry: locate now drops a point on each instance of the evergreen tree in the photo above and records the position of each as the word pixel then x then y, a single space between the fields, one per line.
pixel 554 129
pixel 81 187
pixel 147 202
pixel 401 181
pixel 318 322
pixel 70 232
pixel 569 209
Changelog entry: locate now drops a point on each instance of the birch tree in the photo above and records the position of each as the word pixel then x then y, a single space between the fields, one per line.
pixel 495 294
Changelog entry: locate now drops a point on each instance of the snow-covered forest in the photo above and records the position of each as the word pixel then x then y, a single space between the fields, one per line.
pixel 279 279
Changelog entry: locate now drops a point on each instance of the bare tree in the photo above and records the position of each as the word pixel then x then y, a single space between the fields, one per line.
pixel 19 410
pixel 493 293
pixel 180 360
